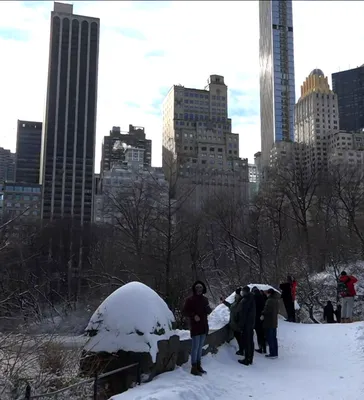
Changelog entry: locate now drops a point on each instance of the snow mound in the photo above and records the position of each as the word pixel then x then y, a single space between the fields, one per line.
pixel 220 315
pixel 133 318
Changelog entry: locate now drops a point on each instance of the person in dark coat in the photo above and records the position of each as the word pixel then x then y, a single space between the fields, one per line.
pixel 233 323
pixel 329 313
pixel 288 289
pixel 246 322
pixel 338 313
pixel 270 322
pixel 259 330
pixel 196 309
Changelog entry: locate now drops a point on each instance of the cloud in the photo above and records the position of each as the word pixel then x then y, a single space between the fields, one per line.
pixel 13 34
pixel 146 47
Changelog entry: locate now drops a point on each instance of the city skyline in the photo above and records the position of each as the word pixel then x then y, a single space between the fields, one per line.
pixel 132 50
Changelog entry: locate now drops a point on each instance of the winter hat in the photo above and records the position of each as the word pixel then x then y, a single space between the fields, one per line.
pixel 343 273
pixel 238 291
pixel 246 289
pixel 270 291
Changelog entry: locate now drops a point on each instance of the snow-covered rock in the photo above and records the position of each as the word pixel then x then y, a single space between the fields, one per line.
pixel 220 315
pixel 133 318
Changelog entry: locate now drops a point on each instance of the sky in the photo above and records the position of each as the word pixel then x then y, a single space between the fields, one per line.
pixel 147 47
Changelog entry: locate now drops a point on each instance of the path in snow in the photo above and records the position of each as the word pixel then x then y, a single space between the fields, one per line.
pixel 317 362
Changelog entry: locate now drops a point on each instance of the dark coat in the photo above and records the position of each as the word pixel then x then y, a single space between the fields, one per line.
pixel 259 307
pixel 197 305
pixel 286 289
pixel 246 312
pixel 270 312
pixel 329 313
pixel 234 310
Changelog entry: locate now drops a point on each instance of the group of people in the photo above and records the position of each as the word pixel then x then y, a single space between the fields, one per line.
pixel 251 310
pixel 346 289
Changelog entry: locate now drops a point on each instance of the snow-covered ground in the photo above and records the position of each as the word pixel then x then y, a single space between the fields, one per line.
pixel 316 362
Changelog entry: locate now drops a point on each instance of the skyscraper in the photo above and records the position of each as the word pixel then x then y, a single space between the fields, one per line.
pixel 197 138
pixel 28 149
pixel 316 120
pixel 349 87
pixel 7 165
pixel 68 142
pixel 277 90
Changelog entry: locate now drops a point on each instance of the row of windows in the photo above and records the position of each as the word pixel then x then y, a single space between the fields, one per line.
pixel 26 189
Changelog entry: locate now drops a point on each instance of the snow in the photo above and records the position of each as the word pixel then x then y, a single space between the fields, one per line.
pixel 133 318
pixel 221 314
pixel 317 362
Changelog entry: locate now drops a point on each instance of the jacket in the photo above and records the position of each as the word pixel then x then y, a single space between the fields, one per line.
pixel 329 313
pixel 286 289
pixel 259 307
pixel 294 290
pixel 246 313
pixel 349 282
pixel 270 312
pixel 234 309
pixel 197 305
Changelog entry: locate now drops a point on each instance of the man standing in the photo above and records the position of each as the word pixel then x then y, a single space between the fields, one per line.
pixel 197 309
pixel 233 323
pixel 246 322
pixel 288 289
pixel 259 330
pixel 270 322
pixel 346 288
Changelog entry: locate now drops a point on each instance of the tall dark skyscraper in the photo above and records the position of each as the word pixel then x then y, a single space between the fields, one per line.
pixel 68 142
pixel 277 90
pixel 28 149
pixel 349 87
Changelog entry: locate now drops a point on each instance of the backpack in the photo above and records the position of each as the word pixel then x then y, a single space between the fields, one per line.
pixel 342 288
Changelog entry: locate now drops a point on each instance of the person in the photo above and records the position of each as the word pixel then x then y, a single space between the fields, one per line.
pixel 329 313
pixel 234 308
pixel 347 291
pixel 288 289
pixel 338 313
pixel 270 322
pixel 259 330
pixel 197 308
pixel 246 321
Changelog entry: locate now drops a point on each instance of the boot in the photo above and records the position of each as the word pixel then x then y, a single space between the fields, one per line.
pixel 200 369
pixel 246 361
pixel 239 353
pixel 195 371
pixel 260 351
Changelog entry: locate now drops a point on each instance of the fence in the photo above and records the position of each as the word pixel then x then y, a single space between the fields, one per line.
pixel 95 380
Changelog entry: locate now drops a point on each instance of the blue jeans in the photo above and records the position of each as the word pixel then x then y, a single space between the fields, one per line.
pixel 197 345
pixel 271 336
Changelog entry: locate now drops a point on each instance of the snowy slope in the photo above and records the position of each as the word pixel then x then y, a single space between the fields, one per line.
pixel 317 362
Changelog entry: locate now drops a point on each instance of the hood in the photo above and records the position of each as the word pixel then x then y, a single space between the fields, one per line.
pixel 199 283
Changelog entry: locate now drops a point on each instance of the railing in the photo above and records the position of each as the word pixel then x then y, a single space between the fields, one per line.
pixel 95 380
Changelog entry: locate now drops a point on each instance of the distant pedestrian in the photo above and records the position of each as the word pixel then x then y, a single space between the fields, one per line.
pixel 338 313
pixel 233 322
pixel 246 322
pixel 197 309
pixel 288 289
pixel 259 330
pixel 346 288
pixel 329 313
pixel 270 322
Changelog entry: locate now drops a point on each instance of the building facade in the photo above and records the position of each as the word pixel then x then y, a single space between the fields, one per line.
pixel 112 150
pixel 22 200
pixel 127 183
pixel 316 119
pixel 349 87
pixel 7 165
pixel 68 142
pixel 347 149
pixel 28 150
pixel 199 149
pixel 277 81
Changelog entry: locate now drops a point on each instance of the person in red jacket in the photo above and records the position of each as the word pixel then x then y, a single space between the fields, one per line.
pixel 348 293
pixel 196 309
